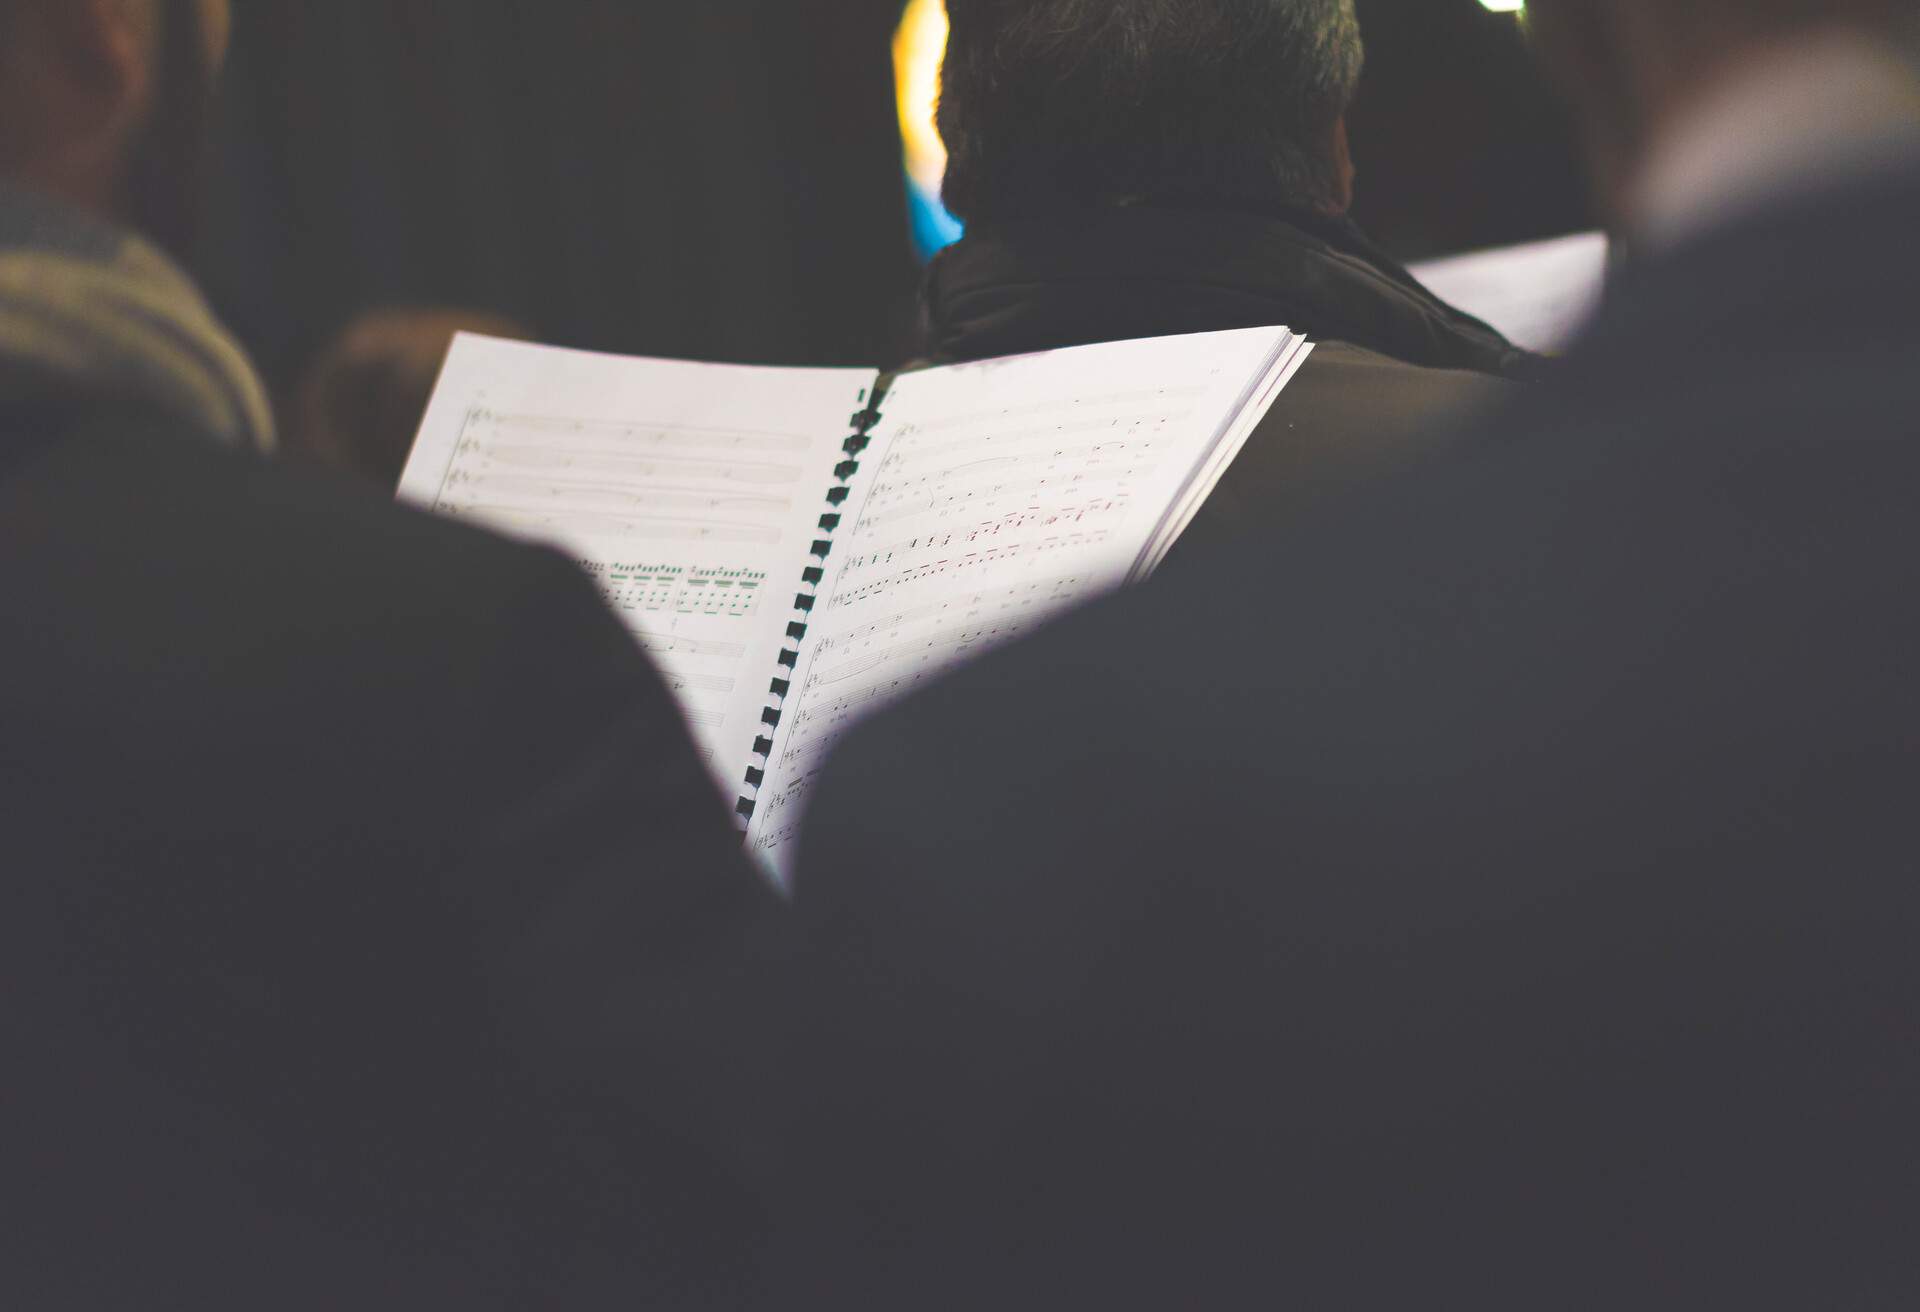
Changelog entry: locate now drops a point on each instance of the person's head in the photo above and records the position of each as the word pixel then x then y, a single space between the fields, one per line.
pixel 104 103
pixel 1230 102
pixel 1629 67
pixel 358 403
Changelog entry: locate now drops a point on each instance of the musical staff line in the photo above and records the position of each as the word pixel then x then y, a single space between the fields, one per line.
pixel 730 439
pixel 985 530
pixel 944 646
pixel 673 645
pixel 909 455
pixel 754 473
pixel 1025 597
pixel 1128 402
pixel 646 528
pixel 687 681
pixel 676 498
pixel 956 565
pixel 924 495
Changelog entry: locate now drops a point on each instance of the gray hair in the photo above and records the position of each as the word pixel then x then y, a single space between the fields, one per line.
pixel 1061 101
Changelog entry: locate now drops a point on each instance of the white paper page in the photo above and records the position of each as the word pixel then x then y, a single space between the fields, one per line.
pixel 994 496
pixel 1261 396
pixel 691 492
pixel 1540 295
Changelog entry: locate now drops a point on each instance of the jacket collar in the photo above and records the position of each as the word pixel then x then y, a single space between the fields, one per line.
pixel 1071 277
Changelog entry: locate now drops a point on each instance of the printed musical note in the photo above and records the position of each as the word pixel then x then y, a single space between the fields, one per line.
pixel 712 506
pixel 633 527
pixel 683 681
pixel 993 496
pixel 986 484
pixel 1116 433
pixel 690 493
pixel 527 489
pixel 957 568
pixel 477 457
pixel 654 590
pixel 1044 595
pixel 624 435
pixel 673 645
pixel 987 531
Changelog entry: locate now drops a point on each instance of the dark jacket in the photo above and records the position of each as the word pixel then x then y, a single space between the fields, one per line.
pixel 370 934
pixel 1496 889
pixel 1393 358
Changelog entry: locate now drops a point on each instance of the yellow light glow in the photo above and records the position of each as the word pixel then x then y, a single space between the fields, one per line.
pixel 1504 6
pixel 918 49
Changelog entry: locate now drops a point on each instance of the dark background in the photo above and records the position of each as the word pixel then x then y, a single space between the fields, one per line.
pixel 717 179
pixel 1459 138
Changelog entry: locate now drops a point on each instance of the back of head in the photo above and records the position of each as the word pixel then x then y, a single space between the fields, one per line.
pixel 105 104
pixel 1631 68
pixel 103 115
pixel 1052 102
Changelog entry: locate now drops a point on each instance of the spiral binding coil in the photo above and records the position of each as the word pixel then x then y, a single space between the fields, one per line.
pixel 804 601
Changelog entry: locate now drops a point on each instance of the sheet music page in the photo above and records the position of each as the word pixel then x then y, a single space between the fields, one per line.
pixel 1265 390
pixel 993 496
pixel 691 492
pixel 1540 295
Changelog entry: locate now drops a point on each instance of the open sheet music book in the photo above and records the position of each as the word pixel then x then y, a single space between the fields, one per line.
pixel 797 547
